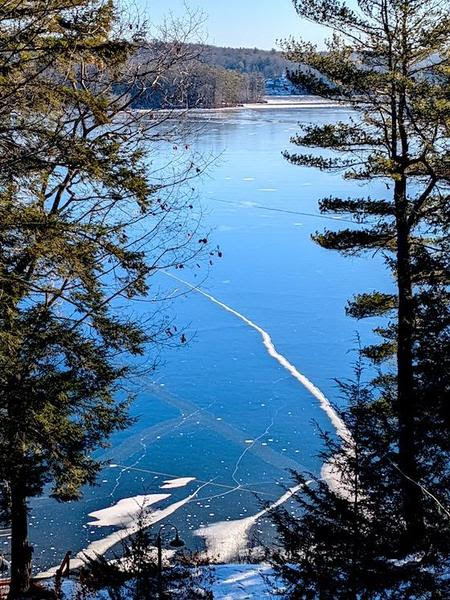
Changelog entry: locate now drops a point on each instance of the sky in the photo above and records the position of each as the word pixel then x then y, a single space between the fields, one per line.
pixel 236 23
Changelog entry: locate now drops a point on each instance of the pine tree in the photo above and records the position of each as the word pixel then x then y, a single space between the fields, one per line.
pixel 342 542
pixel 388 60
pixel 84 223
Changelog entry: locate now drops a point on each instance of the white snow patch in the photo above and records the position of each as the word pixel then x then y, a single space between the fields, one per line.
pixel 170 484
pixel 331 473
pixel 226 540
pixel 125 511
pixel 242 582
pixel 410 559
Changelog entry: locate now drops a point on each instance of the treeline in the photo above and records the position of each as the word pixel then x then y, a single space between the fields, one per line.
pixel 214 77
pixel 269 63
pixel 203 86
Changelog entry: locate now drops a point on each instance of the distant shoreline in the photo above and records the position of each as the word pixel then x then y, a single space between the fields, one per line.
pixel 287 102
pixel 270 102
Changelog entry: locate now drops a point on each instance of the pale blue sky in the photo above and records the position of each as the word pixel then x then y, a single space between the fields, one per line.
pixel 247 23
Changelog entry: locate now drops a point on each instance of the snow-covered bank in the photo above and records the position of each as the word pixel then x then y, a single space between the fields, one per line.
pixel 292 102
pixel 242 582
pixel 129 522
pixel 228 540
pixel 226 582
pixel 270 102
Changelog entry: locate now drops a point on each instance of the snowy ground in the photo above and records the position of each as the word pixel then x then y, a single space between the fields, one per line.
pixel 242 582
pixel 229 582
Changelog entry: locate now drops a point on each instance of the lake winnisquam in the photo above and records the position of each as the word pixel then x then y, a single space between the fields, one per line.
pixel 221 409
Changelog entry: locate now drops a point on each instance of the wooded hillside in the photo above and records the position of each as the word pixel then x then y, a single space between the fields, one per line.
pixel 270 63
pixel 204 86
pixel 217 77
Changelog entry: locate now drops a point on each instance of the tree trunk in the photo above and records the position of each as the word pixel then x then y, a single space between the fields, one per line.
pixel 407 408
pixel 21 550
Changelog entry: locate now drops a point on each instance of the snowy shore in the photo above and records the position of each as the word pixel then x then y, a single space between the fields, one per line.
pixel 270 102
pixel 227 582
pixel 288 102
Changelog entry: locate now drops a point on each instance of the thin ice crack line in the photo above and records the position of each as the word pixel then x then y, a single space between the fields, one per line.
pixel 325 404
pixel 138 460
pixel 184 416
pixel 147 433
pixel 289 212
pixel 253 444
pixel 232 490
pixel 209 482
pixel 246 450
pixel 183 419
pixel 226 430
pixel 240 486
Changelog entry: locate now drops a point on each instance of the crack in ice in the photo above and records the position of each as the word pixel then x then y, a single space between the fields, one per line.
pixel 325 404
pixel 138 460
pixel 252 445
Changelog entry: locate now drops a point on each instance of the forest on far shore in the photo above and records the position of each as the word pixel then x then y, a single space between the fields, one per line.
pixel 271 64
pixel 218 77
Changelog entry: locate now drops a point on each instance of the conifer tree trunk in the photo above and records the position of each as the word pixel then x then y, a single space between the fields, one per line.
pixel 406 408
pixel 405 390
pixel 20 548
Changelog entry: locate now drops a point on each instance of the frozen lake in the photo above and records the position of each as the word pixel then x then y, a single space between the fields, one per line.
pixel 223 419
